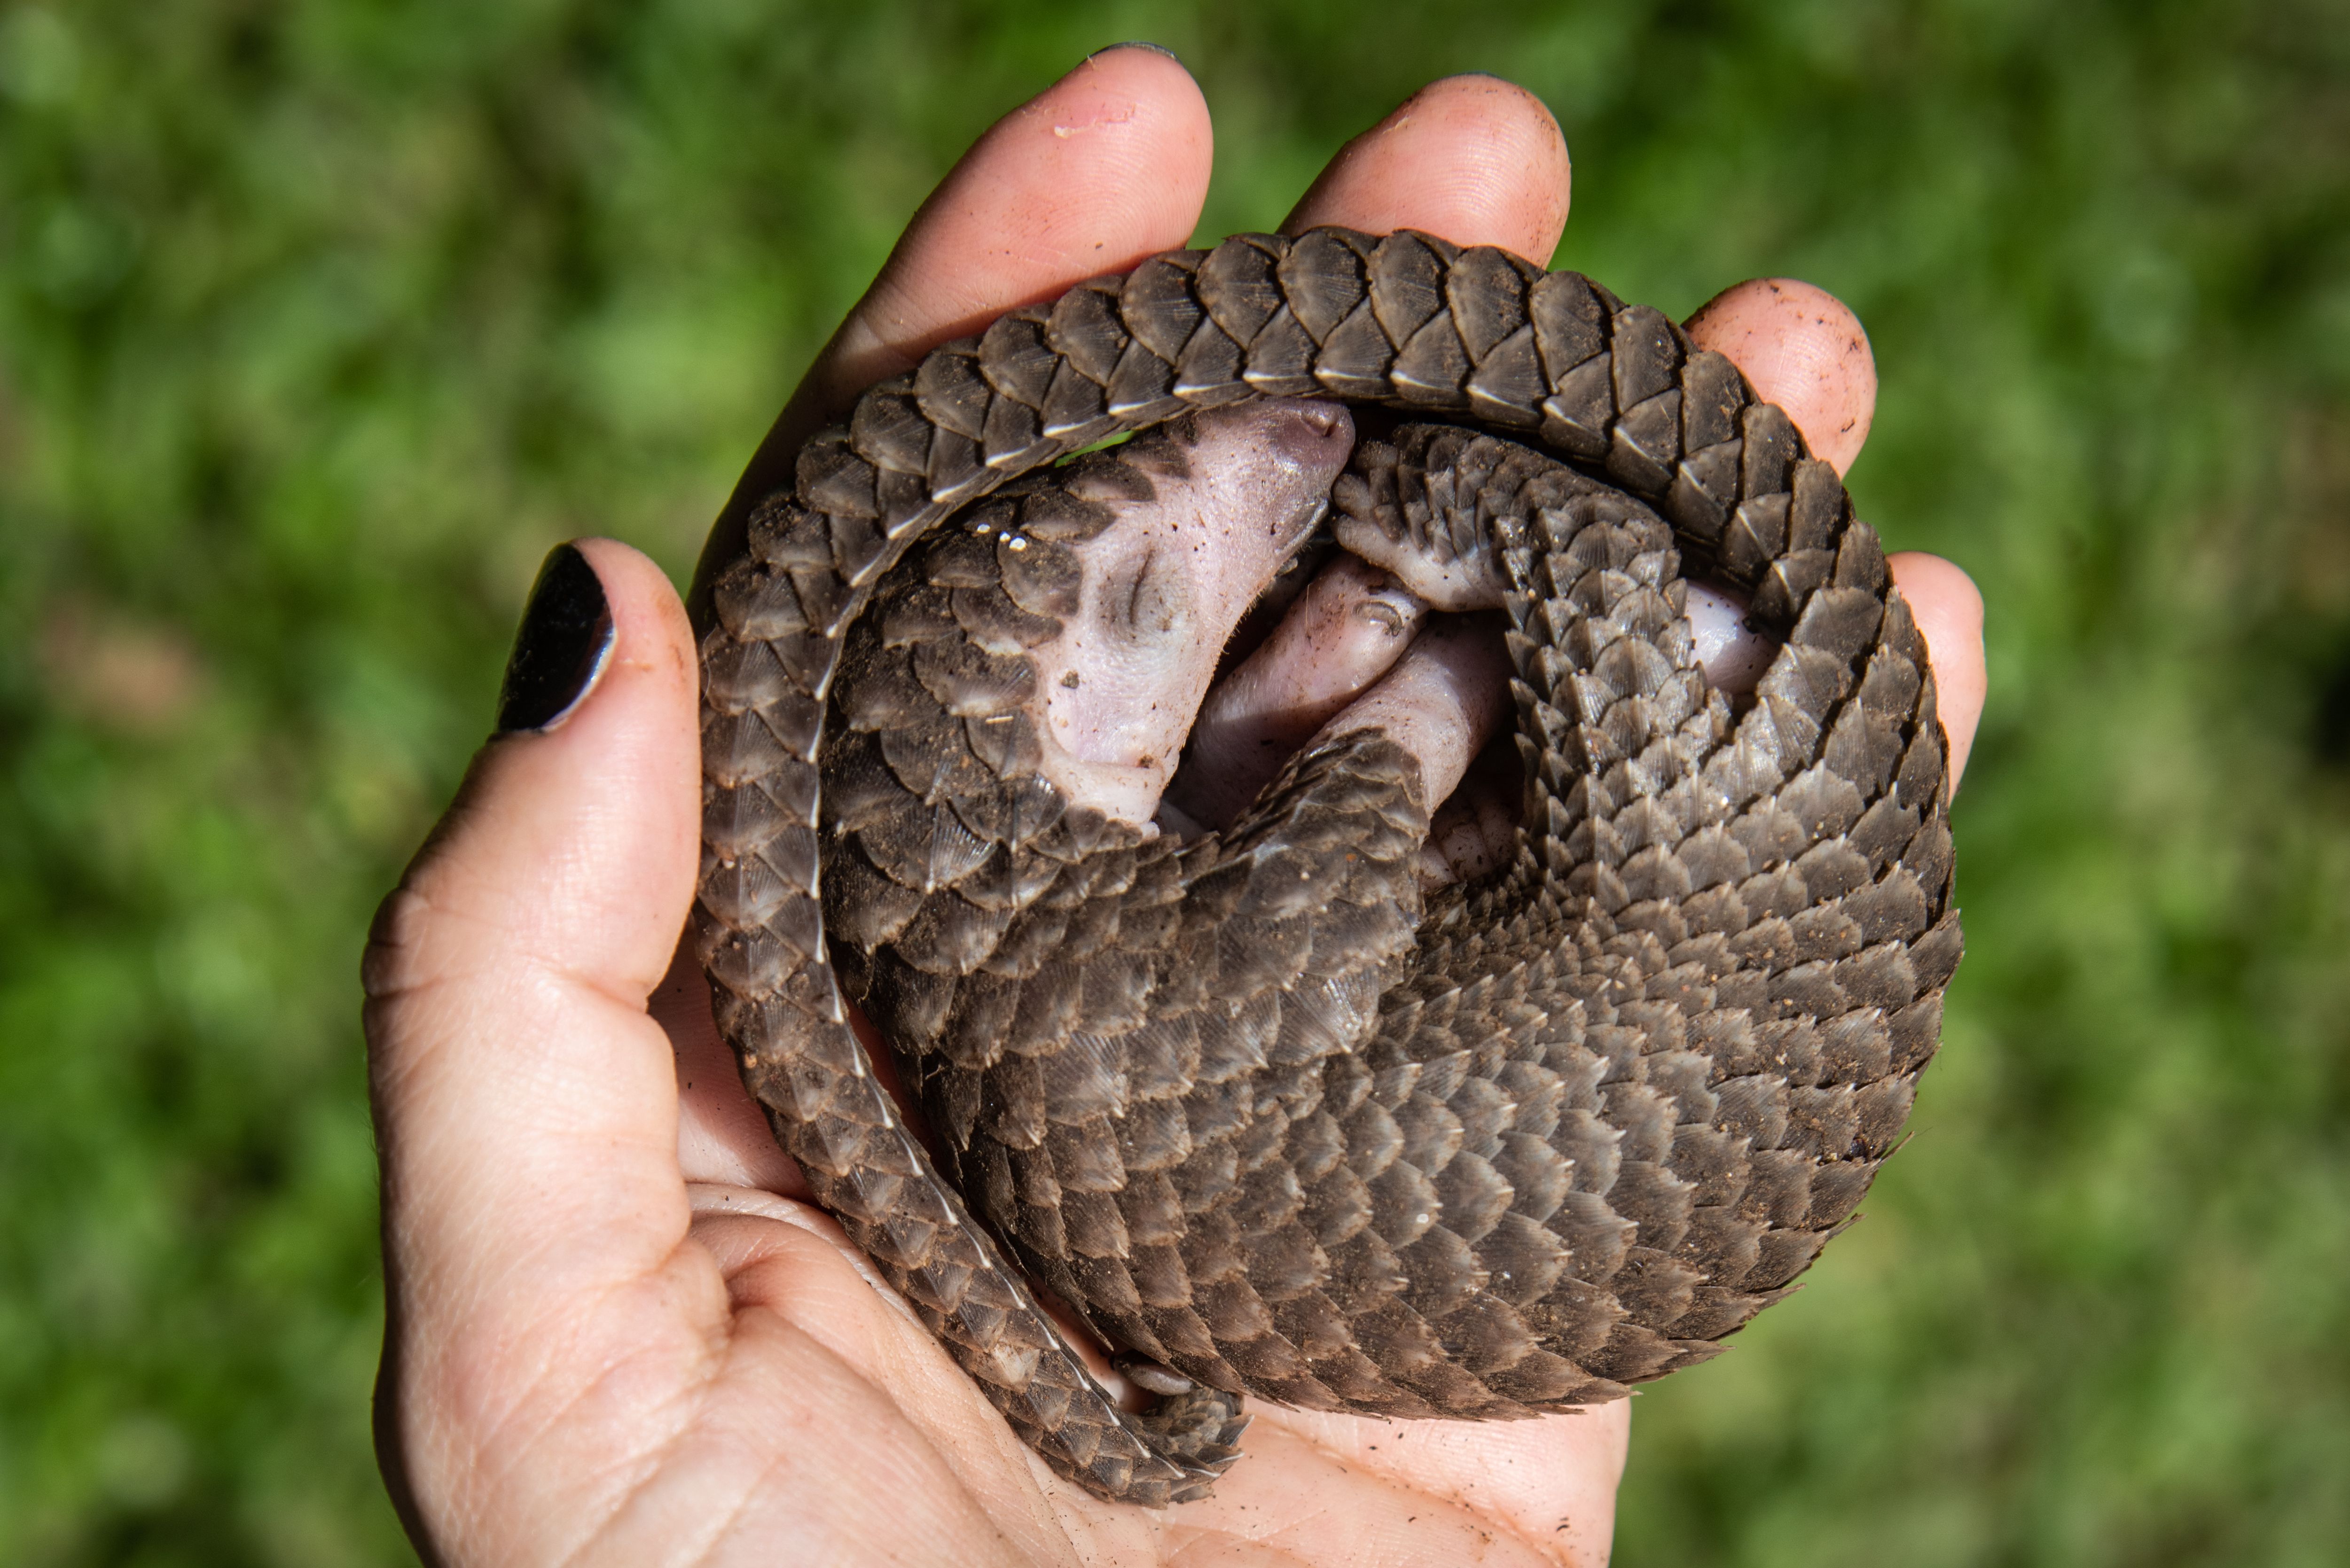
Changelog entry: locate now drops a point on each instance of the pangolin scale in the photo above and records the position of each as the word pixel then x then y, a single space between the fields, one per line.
pixel 1248 1102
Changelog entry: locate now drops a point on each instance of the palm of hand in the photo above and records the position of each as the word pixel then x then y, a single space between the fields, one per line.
pixel 909 1452
pixel 618 1330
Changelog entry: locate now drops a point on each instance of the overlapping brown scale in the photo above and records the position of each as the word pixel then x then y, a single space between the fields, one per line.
pixel 1734 1128
pixel 1731 1244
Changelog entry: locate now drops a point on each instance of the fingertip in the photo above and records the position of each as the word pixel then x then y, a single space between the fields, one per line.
pixel 1802 349
pixel 1139 67
pixel 1104 168
pixel 1474 160
pixel 562 648
pixel 527 1106
pixel 574 842
pixel 1134 44
pixel 1157 145
pixel 655 636
pixel 1949 609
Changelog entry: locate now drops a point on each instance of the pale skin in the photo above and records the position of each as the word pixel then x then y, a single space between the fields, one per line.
pixel 617 1332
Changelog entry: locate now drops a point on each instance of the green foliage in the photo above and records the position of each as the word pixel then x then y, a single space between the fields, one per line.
pixel 320 323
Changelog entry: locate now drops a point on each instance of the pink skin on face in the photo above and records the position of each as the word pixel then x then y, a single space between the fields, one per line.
pixel 1359 648
pixel 1165 586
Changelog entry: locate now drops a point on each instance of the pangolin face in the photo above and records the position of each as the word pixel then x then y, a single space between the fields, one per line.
pixel 1207 510
pixel 1230 494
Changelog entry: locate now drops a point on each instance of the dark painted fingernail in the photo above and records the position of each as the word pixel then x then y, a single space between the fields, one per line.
pixel 565 638
pixel 1137 44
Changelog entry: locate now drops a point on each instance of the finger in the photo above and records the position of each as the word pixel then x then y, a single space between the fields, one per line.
pixel 721 1135
pixel 1472 159
pixel 1104 167
pixel 1949 614
pixel 1804 351
pixel 526 1103
pixel 1801 350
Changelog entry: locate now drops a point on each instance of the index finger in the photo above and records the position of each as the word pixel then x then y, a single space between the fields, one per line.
pixel 1471 159
pixel 1106 166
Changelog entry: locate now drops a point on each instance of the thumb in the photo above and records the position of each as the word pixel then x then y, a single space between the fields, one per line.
pixel 525 1106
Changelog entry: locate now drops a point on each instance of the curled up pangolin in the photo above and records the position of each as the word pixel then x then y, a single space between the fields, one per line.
pixel 1273 1108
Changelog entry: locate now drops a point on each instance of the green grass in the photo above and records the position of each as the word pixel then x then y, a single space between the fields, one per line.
pixel 319 323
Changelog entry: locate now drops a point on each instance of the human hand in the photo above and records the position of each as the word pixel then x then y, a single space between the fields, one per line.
pixel 617 1332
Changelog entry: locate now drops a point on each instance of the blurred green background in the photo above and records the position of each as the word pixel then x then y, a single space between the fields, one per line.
pixel 319 323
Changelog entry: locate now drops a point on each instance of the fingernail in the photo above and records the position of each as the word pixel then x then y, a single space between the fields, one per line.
pixel 1137 44
pixel 561 649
